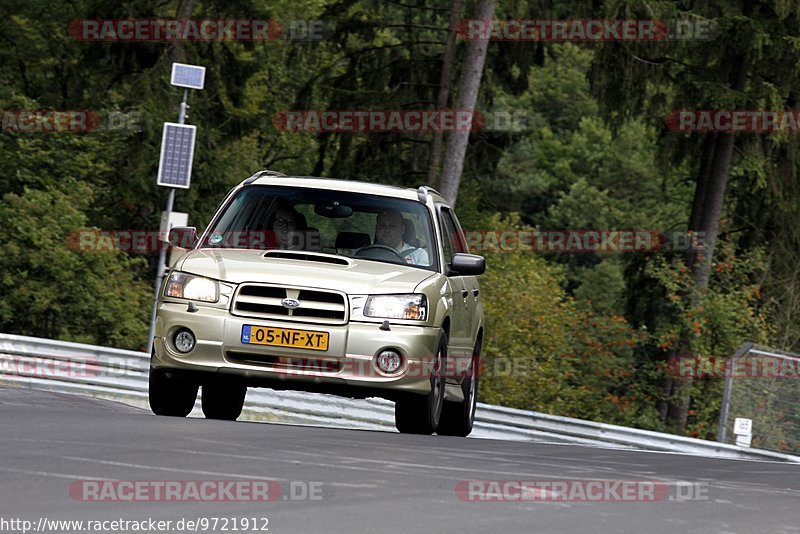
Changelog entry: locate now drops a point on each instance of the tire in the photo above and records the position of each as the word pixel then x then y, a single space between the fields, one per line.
pixel 459 417
pixel 223 401
pixel 420 414
pixel 170 396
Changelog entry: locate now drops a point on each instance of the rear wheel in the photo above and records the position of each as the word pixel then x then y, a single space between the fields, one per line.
pixel 459 417
pixel 420 414
pixel 170 395
pixel 223 401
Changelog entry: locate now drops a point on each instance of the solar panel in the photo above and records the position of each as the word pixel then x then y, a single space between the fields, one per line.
pixel 190 76
pixel 177 151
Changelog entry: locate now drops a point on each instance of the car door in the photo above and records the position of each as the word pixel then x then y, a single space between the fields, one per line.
pixel 459 319
pixel 473 290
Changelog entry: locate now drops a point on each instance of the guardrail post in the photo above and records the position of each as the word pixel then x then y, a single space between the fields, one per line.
pixel 726 393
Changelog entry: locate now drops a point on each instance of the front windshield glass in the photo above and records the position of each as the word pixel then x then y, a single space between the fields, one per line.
pixel 355 225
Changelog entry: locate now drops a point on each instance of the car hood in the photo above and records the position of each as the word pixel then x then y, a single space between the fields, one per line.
pixel 356 277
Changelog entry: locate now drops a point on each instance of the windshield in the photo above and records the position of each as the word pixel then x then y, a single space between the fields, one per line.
pixel 335 222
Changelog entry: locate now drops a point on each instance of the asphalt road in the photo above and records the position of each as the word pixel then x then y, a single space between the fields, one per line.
pixel 58 449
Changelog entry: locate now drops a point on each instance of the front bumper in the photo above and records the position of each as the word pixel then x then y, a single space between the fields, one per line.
pixel 346 368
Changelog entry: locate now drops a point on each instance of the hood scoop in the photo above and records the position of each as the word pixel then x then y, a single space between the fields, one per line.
pixel 306 256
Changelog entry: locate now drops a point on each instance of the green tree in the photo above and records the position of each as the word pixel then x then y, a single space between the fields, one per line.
pixel 50 287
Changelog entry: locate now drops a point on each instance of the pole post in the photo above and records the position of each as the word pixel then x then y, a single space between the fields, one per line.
pixel 162 255
pixel 726 393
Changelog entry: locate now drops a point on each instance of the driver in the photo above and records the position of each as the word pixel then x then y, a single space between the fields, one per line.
pixel 284 225
pixel 389 232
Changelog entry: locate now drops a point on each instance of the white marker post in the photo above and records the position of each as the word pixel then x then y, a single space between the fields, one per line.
pixel 743 430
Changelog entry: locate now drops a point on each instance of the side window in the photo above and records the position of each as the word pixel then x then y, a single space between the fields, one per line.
pixel 461 240
pixel 452 241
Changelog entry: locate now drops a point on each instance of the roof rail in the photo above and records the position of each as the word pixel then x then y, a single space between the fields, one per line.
pixel 422 193
pixel 262 174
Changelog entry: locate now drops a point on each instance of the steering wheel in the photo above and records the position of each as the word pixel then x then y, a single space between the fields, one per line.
pixel 381 252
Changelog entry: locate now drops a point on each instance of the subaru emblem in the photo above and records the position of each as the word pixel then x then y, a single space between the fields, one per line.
pixel 290 303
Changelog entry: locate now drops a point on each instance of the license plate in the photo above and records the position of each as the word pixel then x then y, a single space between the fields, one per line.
pixel 284 337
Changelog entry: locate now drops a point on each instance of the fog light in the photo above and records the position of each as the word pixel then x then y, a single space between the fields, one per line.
pixel 184 340
pixel 389 361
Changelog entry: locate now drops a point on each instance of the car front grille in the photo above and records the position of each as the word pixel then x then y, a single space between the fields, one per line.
pixel 263 301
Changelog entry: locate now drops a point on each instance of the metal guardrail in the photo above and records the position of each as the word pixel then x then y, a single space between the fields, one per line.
pixel 51 365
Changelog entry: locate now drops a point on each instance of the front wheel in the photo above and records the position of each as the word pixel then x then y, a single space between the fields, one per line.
pixel 171 396
pixel 223 401
pixel 459 417
pixel 420 414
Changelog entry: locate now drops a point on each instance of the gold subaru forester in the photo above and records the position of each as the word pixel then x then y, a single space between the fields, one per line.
pixel 331 286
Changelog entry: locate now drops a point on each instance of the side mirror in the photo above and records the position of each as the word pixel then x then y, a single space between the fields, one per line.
pixel 468 265
pixel 181 239
pixel 184 237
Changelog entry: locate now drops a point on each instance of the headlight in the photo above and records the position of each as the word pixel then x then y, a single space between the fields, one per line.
pixel 397 307
pixel 189 286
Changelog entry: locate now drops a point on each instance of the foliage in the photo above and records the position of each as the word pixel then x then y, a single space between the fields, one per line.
pixel 52 290
pixel 555 357
pixel 728 315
